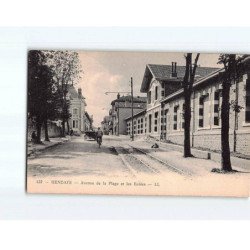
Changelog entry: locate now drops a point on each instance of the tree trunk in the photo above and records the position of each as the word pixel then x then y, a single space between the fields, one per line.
pixel 63 128
pixel 187 120
pixel 68 126
pixel 46 130
pixel 38 132
pixel 225 147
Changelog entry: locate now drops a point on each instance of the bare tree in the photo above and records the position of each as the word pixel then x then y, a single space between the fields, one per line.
pixel 188 82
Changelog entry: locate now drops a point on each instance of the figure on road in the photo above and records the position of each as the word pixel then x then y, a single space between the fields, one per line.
pixel 99 135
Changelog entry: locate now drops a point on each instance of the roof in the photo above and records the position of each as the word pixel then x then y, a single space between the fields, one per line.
pixel 88 116
pixel 203 80
pixel 196 84
pixel 128 98
pixel 136 114
pixel 163 73
pixel 73 92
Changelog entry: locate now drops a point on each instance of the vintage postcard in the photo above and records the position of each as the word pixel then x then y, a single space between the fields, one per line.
pixel 138 123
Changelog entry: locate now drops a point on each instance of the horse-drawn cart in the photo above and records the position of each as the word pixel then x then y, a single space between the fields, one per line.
pixel 90 135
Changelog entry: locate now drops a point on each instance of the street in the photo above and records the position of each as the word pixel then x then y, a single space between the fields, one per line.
pixel 120 160
pixel 80 157
pixel 117 157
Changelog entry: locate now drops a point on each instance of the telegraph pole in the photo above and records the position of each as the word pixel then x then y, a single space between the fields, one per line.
pixel 132 108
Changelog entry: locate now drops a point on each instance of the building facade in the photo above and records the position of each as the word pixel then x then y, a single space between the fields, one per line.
pixel 88 122
pixel 121 109
pixel 164 118
pixel 139 123
pixel 77 110
pixel 107 125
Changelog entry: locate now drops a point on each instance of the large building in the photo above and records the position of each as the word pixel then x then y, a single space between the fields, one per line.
pixel 121 109
pixel 163 118
pixel 77 110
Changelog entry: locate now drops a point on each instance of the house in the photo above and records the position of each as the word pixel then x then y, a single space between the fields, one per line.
pixel 77 109
pixel 106 125
pixel 163 118
pixel 121 109
pixel 88 121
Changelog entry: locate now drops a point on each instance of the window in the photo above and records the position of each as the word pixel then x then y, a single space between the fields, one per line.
pixel 150 123
pixel 175 117
pixel 247 112
pixel 162 93
pixel 156 122
pixel 149 97
pixel 156 92
pixel 75 124
pixel 165 116
pixel 134 127
pixel 204 111
pixel 216 107
pixel 164 119
pixel 75 111
pixel 201 111
pixel 128 128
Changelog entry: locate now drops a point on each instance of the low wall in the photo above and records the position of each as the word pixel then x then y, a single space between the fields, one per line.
pixel 211 140
pixel 53 130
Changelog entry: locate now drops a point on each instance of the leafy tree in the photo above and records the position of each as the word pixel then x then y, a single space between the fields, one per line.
pixel 233 68
pixel 40 83
pixel 66 69
pixel 188 82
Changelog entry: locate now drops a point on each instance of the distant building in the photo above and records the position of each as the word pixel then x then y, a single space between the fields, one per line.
pixel 88 122
pixel 139 123
pixel 107 125
pixel 121 109
pixel 77 109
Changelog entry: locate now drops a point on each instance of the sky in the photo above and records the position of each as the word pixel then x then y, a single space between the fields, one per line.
pixel 111 71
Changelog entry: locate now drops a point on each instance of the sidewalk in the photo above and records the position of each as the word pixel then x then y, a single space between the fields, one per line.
pixel 37 148
pixel 243 164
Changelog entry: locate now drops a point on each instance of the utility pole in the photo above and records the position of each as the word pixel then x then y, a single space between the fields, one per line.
pixel 132 108
pixel 118 120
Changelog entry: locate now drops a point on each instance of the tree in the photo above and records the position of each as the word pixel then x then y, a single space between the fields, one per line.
pixel 52 106
pixel 188 82
pixel 40 82
pixel 233 69
pixel 67 71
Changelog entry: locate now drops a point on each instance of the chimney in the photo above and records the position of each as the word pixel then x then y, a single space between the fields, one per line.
pixel 118 96
pixel 80 92
pixel 174 70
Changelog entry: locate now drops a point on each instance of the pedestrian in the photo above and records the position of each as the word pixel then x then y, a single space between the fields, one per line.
pixel 99 134
pixel 33 136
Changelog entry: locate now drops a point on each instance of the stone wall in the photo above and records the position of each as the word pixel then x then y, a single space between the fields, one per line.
pixel 53 130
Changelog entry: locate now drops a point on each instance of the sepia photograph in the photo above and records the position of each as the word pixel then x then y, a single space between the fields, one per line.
pixel 138 123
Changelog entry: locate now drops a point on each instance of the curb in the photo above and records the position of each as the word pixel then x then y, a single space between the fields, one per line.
pixel 208 155
pixel 34 151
